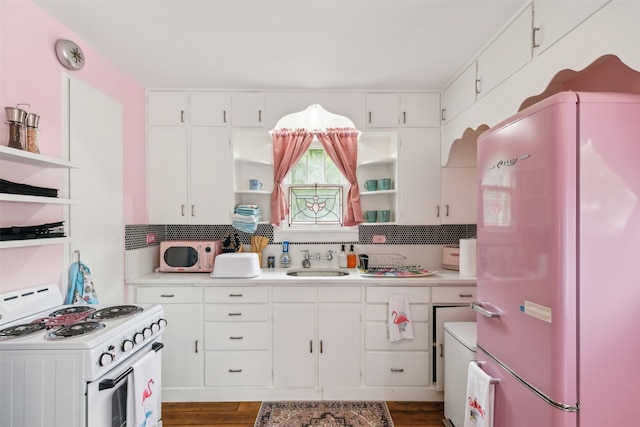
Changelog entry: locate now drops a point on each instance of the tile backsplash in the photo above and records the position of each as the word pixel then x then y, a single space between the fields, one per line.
pixel 136 234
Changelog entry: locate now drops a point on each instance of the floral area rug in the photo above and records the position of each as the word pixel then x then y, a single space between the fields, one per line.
pixel 325 413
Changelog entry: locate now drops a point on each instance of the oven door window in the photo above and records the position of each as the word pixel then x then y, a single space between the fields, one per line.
pixel 119 405
pixel 181 256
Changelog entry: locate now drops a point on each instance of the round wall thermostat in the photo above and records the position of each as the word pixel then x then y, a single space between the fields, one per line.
pixel 69 54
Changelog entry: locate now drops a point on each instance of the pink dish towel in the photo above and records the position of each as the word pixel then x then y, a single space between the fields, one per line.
pixel 146 390
pixel 399 318
pixel 478 411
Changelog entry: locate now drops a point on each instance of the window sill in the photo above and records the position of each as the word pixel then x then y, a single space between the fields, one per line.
pixel 346 234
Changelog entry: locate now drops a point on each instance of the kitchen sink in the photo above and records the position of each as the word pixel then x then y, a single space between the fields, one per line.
pixel 319 272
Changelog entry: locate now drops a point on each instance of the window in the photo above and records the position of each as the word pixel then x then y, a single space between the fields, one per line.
pixel 315 190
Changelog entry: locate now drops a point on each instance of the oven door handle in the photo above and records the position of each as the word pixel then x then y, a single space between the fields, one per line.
pixel 111 383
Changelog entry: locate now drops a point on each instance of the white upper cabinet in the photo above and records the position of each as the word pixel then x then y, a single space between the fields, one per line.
pixel 459 196
pixel 248 109
pixel 167 108
pixel 411 109
pixel 419 175
pixel 420 110
pixel 553 19
pixel 382 110
pixel 210 109
pixel 460 94
pixel 510 51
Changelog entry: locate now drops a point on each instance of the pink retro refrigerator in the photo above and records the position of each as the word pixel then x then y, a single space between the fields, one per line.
pixel 558 306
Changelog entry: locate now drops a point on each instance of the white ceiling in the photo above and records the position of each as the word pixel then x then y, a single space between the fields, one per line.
pixel 280 44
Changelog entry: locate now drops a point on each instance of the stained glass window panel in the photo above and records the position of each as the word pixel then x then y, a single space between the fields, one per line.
pixel 316 204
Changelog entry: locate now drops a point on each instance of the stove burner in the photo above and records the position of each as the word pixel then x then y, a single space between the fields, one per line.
pixel 21 330
pixel 116 311
pixel 76 329
pixel 75 309
pixel 63 319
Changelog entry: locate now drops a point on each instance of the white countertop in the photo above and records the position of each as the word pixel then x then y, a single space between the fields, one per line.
pixel 278 276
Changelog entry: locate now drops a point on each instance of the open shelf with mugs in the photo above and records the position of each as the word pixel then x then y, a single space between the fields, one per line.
pixel 377 176
pixel 253 170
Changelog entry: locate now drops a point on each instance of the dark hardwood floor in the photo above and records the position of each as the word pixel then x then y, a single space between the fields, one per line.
pixel 243 414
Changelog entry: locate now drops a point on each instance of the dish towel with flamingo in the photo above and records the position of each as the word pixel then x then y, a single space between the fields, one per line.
pixel 400 326
pixel 480 395
pixel 146 390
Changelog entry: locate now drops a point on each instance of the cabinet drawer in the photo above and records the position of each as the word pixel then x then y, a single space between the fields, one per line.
pixel 228 369
pixel 397 368
pixel 168 295
pixel 236 336
pixel 379 312
pixel 294 294
pixel 382 294
pixel 236 312
pixel 233 294
pixel 377 338
pixel 335 294
pixel 458 294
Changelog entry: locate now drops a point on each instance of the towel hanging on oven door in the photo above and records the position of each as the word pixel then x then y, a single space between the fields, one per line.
pixel 81 287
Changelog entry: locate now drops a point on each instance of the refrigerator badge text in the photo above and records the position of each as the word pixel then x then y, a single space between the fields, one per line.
pixel 536 310
pixel 509 162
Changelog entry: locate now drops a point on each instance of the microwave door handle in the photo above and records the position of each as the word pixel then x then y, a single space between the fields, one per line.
pixel 200 251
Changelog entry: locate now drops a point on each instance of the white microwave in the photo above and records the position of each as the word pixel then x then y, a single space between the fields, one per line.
pixel 192 256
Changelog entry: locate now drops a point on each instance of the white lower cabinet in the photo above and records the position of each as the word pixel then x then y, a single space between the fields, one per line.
pixel 236 336
pixel 262 342
pixel 401 363
pixel 316 336
pixel 182 355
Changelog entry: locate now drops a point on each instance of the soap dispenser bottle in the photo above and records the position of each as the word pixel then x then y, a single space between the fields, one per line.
pixel 342 259
pixel 351 258
pixel 285 259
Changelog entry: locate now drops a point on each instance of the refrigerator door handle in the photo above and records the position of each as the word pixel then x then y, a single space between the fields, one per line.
pixel 478 307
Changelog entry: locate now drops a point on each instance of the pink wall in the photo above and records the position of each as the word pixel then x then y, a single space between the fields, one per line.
pixel 30 72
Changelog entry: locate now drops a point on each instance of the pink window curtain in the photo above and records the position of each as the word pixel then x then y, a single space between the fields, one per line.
pixel 341 144
pixel 289 145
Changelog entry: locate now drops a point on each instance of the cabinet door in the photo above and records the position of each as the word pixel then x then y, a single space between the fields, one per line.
pixel 339 342
pixel 167 175
pixel 442 315
pixel 382 110
pixel 210 172
pixel 419 175
pixel 294 345
pixel 420 110
pixel 166 108
pixel 182 355
pixel 248 109
pixel 494 66
pixel 460 94
pixel 210 109
pixel 553 19
pixel 459 196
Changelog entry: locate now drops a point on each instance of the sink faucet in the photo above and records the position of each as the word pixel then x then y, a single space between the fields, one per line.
pixel 328 258
pixel 306 262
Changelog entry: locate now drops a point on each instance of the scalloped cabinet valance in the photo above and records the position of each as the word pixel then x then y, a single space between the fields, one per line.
pixel 602 54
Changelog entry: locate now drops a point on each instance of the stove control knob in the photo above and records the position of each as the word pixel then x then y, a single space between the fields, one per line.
pixel 155 327
pixel 105 359
pixel 138 337
pixel 162 323
pixel 147 333
pixel 127 345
